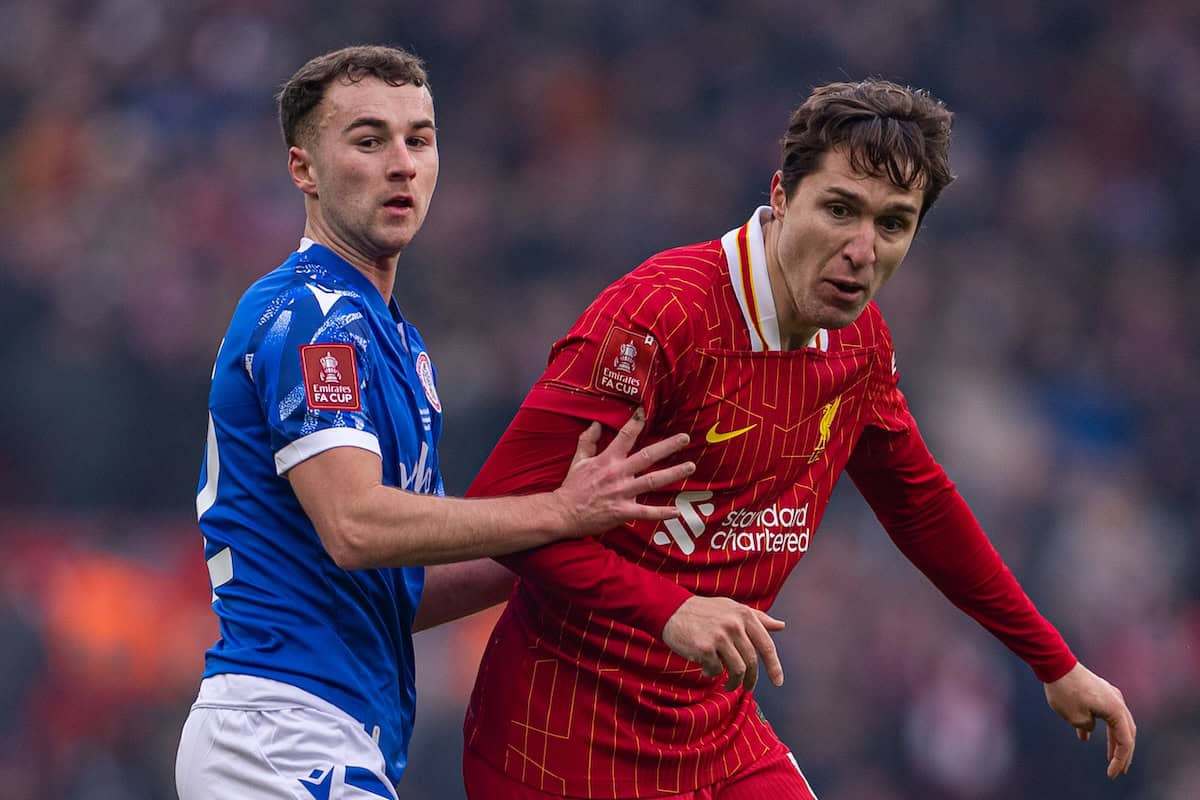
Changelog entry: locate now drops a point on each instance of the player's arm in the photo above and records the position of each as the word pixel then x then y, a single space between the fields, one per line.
pixel 457 590
pixel 719 633
pixel 934 528
pixel 363 523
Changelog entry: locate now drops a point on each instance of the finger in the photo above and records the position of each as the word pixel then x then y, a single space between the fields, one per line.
pixel 1084 723
pixel 1126 744
pixel 653 481
pixel 710 664
pixel 749 653
pixel 622 443
pixel 1082 734
pixel 735 665
pixel 770 623
pixel 1132 743
pixel 653 453
pixel 655 513
pixel 586 447
pixel 1121 742
pixel 765 647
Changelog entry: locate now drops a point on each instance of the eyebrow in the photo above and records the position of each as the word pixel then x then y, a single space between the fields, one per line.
pixel 856 198
pixel 424 123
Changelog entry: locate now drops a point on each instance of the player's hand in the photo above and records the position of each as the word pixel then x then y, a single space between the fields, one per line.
pixel 1081 697
pixel 724 635
pixel 600 491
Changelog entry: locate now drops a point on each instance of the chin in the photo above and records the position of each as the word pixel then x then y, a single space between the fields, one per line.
pixel 841 319
pixel 395 243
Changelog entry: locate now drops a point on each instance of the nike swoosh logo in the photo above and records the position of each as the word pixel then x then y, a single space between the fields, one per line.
pixel 715 437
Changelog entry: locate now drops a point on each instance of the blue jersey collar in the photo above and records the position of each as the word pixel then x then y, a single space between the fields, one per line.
pixel 310 252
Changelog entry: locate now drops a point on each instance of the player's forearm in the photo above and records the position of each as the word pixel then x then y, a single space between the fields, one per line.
pixel 957 557
pixel 390 527
pixel 533 455
pixel 588 574
pixel 458 590
pixel 934 528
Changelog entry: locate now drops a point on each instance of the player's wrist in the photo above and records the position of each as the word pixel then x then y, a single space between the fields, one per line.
pixel 557 517
pixel 1053 669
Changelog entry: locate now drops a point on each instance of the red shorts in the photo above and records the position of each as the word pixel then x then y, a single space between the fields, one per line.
pixel 776 776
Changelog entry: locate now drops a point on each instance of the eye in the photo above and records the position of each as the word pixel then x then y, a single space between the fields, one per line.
pixel 839 210
pixel 370 142
pixel 893 224
pixel 417 141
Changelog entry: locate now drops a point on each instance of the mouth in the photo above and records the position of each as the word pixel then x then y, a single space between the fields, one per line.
pixel 399 204
pixel 847 290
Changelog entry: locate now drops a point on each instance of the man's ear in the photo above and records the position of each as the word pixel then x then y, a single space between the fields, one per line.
pixel 303 170
pixel 778 195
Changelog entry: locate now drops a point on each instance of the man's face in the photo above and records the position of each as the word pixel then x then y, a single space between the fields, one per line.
pixel 372 166
pixel 839 238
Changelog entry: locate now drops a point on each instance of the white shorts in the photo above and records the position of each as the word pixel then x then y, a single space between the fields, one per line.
pixel 250 738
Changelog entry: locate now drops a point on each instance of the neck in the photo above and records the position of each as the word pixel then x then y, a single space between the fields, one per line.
pixel 379 270
pixel 793 334
pixel 795 341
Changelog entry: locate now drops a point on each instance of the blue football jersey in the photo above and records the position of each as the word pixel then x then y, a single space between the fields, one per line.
pixel 315 358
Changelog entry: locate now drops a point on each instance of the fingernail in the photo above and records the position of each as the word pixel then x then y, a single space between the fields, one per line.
pixel 639 414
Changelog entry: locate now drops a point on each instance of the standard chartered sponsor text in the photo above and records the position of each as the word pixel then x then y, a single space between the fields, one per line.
pixel 769 517
pixel 751 531
pixel 774 529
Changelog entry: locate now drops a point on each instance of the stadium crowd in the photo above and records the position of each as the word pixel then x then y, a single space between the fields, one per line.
pixel 1042 325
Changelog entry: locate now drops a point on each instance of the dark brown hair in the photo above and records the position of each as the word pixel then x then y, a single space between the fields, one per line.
pixel 889 131
pixel 303 91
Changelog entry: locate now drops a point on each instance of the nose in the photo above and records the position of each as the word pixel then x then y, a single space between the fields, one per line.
pixel 860 249
pixel 401 165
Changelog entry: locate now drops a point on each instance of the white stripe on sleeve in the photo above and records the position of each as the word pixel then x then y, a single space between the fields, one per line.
pixel 326 439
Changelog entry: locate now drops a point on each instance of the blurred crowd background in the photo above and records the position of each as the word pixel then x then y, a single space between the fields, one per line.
pixel 1045 324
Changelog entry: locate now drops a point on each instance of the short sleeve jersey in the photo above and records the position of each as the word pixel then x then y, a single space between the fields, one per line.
pixel 315 358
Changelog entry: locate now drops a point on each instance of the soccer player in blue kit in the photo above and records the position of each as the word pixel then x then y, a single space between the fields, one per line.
pixel 320 497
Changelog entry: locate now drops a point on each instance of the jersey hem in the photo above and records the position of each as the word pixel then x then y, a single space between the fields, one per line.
pixel 239 690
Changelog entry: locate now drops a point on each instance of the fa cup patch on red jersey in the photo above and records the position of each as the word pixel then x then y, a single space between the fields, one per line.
pixel 623 368
pixel 330 377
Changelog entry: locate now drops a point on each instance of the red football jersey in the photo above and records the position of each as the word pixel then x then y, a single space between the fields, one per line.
pixel 576 693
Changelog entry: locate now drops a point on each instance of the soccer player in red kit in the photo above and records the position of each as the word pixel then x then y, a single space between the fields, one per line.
pixel 603 677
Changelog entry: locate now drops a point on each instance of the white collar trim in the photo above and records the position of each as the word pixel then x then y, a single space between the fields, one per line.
pixel 751 282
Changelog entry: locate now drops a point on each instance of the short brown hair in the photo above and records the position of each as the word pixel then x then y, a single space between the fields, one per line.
pixel 304 91
pixel 890 131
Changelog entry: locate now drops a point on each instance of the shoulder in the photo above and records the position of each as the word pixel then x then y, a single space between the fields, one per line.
pixel 292 306
pixel 689 271
pixel 663 292
pixel 303 292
